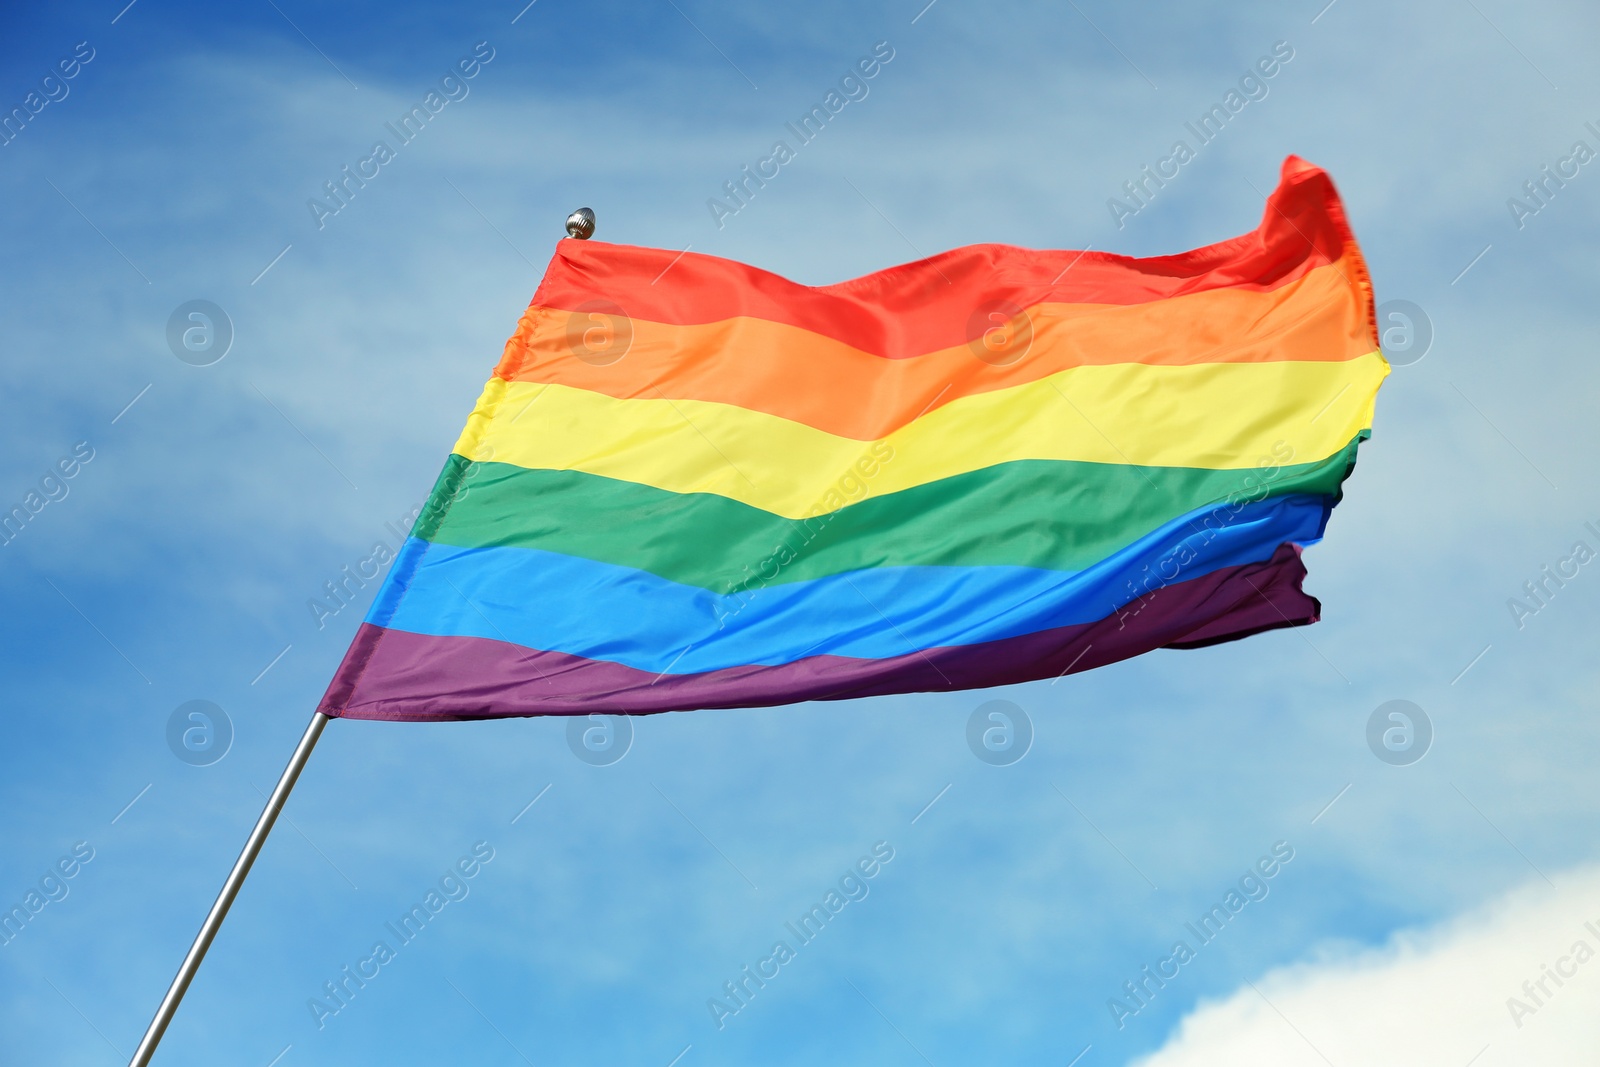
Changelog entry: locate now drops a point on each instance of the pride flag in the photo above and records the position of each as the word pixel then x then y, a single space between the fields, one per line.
pixel 691 483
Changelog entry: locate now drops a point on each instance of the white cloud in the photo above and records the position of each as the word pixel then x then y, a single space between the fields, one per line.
pixel 1438 995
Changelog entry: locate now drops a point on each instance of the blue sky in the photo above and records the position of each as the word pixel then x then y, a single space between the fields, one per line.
pixel 179 562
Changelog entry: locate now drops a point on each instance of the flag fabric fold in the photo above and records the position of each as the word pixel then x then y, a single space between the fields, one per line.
pixel 692 484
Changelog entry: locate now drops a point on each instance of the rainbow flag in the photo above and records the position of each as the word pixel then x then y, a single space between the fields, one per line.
pixel 692 484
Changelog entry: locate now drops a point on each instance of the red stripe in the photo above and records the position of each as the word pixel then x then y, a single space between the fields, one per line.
pixel 930 304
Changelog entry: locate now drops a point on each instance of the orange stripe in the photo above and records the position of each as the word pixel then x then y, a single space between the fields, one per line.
pixel 798 375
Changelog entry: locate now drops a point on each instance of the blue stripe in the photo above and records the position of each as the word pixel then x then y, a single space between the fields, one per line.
pixel 560 603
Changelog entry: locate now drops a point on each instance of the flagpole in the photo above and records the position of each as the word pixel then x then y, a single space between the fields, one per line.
pixel 230 889
pixel 580 224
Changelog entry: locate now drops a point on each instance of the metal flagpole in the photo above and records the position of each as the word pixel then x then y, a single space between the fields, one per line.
pixel 230 889
pixel 580 224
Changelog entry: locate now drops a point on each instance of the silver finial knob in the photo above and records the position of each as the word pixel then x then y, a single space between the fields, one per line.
pixel 580 224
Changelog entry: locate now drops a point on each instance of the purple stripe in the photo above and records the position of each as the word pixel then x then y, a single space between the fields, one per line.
pixel 402 676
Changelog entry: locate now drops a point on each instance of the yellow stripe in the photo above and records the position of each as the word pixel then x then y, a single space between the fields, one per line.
pixel 1217 416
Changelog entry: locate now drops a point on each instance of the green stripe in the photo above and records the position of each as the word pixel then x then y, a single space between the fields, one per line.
pixel 1059 515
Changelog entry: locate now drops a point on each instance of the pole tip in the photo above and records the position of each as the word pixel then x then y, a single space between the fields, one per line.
pixel 580 224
